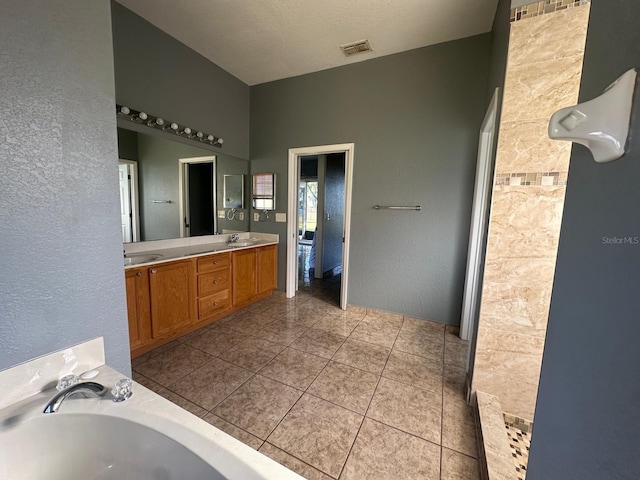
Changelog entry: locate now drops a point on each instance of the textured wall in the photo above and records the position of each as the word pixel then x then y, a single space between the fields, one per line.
pixel 156 73
pixel 543 75
pixel 587 413
pixel 414 118
pixel 62 280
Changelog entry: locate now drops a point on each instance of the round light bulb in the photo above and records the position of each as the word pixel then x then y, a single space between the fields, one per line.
pixel 210 138
pixel 220 141
pixel 142 116
pixel 187 131
pixel 159 121
pixel 200 135
pixel 125 110
pixel 174 126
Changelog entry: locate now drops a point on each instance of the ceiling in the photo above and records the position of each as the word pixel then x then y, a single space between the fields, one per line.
pixel 263 40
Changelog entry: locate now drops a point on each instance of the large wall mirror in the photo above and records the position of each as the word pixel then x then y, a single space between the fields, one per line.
pixel 171 190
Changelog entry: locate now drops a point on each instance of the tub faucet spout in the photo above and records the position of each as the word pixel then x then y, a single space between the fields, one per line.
pixel 89 388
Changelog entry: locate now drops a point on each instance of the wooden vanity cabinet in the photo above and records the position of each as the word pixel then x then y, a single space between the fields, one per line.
pixel 214 285
pixel 267 268
pixel 172 294
pixel 167 300
pixel 138 306
pixel 254 273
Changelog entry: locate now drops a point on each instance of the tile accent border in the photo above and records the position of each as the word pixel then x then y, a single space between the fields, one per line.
pixel 531 179
pixel 521 424
pixel 520 444
pixel 544 7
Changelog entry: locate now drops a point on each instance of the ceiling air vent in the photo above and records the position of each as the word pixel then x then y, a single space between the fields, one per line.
pixel 351 49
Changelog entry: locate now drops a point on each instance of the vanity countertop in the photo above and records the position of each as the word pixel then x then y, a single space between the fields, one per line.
pixel 162 251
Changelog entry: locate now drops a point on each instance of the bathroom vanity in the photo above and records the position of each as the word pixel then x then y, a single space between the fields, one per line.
pixel 174 289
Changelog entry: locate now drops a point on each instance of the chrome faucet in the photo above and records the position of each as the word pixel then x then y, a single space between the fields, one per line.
pixel 234 238
pixel 90 388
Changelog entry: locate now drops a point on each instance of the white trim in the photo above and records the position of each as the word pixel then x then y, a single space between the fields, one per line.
pixel 292 219
pixel 135 202
pixel 182 192
pixel 477 232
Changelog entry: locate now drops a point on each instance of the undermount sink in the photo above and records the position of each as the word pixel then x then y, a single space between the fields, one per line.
pixel 134 259
pixel 243 243
pixel 97 447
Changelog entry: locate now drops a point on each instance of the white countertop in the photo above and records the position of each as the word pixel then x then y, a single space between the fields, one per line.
pixel 182 248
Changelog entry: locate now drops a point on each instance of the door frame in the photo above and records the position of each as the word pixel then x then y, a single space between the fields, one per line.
pixel 292 221
pixel 479 213
pixel 182 190
pixel 132 166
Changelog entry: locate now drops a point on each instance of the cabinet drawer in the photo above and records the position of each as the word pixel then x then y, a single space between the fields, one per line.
pixel 213 303
pixel 213 262
pixel 209 283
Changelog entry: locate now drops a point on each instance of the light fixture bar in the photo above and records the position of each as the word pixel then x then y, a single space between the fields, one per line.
pixel 143 118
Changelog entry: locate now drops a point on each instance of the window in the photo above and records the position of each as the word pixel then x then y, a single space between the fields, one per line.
pixel 264 191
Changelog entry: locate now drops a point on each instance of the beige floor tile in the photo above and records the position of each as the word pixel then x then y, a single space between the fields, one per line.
pixel 282 331
pixel 173 364
pixel 212 383
pixel 454 382
pixel 278 310
pixel 342 325
pixel 236 432
pixel 408 408
pixel 422 325
pixel 319 342
pixel 455 349
pixel 301 317
pixel 382 452
pixel 413 370
pixel 456 466
pixel 345 386
pixel 258 405
pixel 136 362
pixel 250 322
pixel 184 403
pixel 252 353
pixel 217 340
pixel 421 342
pixel 376 331
pixel 318 433
pixel 292 463
pixel 391 319
pixel 458 427
pixel 362 355
pixel 147 382
pixel 294 368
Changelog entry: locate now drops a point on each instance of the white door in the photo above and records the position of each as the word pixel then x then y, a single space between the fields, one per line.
pixel 125 202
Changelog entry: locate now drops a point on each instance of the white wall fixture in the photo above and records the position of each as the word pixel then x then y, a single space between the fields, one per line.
pixel 601 124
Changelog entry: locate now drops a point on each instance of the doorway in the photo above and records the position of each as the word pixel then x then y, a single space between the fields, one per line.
pixel 197 185
pixel 128 175
pixel 331 222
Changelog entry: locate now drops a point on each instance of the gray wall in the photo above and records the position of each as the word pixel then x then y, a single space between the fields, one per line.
pixel 334 206
pixel 588 411
pixel 156 73
pixel 62 280
pixel 414 118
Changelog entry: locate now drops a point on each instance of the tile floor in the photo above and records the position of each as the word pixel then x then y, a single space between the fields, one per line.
pixel 330 394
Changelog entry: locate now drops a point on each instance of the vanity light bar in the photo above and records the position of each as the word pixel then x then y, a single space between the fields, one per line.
pixel 150 121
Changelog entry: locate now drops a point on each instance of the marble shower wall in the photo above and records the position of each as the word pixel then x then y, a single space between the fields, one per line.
pixel 543 75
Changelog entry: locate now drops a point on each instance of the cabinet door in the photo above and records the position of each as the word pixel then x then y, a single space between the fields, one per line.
pixel 138 311
pixel 244 275
pixel 172 297
pixel 267 260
